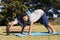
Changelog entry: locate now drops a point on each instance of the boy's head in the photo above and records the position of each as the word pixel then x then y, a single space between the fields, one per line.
pixel 24 16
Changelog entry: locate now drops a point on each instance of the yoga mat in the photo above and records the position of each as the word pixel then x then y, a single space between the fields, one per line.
pixel 36 34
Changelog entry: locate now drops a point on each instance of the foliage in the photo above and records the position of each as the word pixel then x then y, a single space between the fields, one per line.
pixel 12 10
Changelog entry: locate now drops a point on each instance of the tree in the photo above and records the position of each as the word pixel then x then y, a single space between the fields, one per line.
pixel 12 9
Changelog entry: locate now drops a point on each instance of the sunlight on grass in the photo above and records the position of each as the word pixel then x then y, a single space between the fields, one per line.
pixel 37 28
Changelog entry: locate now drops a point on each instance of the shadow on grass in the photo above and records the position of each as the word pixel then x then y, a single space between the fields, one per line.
pixel 3 35
pixel 15 31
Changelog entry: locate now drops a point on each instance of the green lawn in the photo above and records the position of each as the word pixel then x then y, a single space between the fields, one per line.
pixel 37 28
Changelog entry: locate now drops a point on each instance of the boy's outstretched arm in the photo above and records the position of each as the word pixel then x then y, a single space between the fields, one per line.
pixel 30 28
pixel 22 29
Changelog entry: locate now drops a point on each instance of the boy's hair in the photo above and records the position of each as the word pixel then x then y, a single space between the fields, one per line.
pixel 23 14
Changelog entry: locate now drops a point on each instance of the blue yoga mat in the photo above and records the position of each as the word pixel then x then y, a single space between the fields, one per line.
pixel 36 34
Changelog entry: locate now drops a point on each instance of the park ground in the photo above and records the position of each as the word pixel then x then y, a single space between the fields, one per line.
pixel 36 28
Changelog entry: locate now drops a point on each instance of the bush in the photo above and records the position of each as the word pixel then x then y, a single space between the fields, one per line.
pixel 12 10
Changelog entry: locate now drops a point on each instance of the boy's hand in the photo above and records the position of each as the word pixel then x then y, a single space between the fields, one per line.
pixel 26 34
pixel 30 28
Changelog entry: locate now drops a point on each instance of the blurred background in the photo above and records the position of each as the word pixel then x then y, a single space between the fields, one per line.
pixel 11 9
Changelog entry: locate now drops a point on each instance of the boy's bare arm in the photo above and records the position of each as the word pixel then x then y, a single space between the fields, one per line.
pixel 30 28
pixel 22 29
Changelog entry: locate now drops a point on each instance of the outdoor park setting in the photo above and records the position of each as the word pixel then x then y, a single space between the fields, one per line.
pixel 39 29
pixel 29 20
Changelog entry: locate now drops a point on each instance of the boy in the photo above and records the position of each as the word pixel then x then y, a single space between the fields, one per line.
pixel 16 21
pixel 10 24
pixel 35 16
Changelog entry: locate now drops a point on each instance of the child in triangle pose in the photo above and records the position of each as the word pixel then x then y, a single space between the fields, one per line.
pixel 35 16
pixel 16 21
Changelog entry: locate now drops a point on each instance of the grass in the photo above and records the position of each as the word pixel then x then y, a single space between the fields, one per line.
pixel 37 28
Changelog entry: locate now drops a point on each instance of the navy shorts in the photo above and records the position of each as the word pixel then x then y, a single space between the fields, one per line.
pixel 44 20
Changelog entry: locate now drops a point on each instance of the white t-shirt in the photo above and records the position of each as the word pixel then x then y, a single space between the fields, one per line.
pixel 15 21
pixel 36 15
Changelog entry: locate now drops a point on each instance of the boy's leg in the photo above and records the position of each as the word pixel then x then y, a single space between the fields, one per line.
pixel 48 29
pixel 7 28
pixel 10 24
pixel 44 20
pixel 50 26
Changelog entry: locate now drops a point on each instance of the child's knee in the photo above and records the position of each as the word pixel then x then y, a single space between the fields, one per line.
pixel 10 23
pixel 48 24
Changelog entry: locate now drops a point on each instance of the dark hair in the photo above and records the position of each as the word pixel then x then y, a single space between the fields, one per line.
pixel 23 14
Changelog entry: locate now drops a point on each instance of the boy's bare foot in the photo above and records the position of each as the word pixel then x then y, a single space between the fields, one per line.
pixel 49 31
pixel 53 31
pixel 26 34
